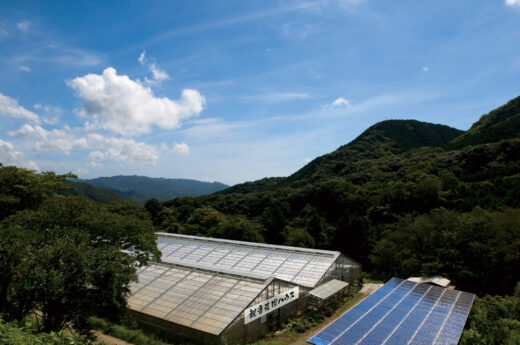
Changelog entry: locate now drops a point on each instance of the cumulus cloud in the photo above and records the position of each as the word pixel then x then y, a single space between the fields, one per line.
pixel 121 150
pixel 426 68
pixel 56 140
pixel 24 68
pixel 181 149
pixel 24 26
pixel 104 148
pixel 121 105
pixel 513 3
pixel 339 102
pixel 9 156
pixel 10 107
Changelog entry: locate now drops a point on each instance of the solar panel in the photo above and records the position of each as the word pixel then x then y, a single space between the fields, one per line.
pixel 401 312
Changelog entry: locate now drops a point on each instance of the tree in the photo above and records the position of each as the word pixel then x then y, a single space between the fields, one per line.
pixel 22 189
pixel 70 257
pixel 298 237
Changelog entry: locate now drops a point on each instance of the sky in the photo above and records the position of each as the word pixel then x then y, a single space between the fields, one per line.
pixel 234 91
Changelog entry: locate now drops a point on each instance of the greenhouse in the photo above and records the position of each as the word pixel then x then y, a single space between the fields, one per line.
pixel 213 291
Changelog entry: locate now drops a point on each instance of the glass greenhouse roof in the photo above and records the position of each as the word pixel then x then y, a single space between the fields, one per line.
pixel 300 266
pixel 206 301
pixel 328 289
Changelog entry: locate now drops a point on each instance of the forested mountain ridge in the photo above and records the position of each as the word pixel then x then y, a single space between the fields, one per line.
pixel 501 123
pixel 253 186
pixel 141 188
pixel 388 137
pixel 397 206
pixel 93 193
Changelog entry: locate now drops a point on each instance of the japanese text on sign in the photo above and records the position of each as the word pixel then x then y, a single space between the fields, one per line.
pixel 267 306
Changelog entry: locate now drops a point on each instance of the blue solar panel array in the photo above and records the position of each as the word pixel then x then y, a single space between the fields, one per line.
pixel 401 312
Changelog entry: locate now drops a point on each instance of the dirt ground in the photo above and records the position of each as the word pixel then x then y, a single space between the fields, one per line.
pixel 368 288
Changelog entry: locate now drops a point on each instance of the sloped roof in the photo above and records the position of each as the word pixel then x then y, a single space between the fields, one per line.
pixel 328 289
pixel 301 266
pixel 203 300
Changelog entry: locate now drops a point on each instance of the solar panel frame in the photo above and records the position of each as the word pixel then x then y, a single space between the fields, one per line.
pixel 401 313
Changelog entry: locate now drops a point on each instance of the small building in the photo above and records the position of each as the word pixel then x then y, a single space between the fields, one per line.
pixel 214 291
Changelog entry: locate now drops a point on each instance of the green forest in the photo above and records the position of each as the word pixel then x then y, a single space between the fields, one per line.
pixel 405 198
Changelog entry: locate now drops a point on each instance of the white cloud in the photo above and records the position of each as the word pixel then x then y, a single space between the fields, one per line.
pixel 52 113
pixel 158 74
pixel 105 148
pixel 56 140
pixel 80 171
pixel 24 68
pixel 121 150
pixel 9 156
pixel 142 57
pixel 181 149
pixel 119 104
pixel 426 68
pixel 513 3
pixel 10 107
pixel 93 164
pixel 339 102
pixel 24 26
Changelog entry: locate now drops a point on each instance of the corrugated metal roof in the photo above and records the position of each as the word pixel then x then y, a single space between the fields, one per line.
pixel 328 289
pixel 203 300
pixel 301 266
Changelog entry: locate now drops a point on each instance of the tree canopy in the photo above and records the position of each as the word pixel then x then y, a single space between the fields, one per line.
pixel 66 256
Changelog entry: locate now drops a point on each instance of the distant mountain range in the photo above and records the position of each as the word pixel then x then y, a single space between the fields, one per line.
pixel 140 188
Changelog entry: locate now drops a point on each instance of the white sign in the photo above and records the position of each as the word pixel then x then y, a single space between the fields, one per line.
pixel 273 303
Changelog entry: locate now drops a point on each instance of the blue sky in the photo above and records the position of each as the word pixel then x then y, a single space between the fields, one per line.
pixel 239 90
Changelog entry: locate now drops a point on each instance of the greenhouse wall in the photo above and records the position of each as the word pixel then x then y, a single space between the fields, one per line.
pixel 173 332
pixel 240 333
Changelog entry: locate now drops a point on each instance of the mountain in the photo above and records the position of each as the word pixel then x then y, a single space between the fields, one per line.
pixel 141 188
pixel 501 123
pixel 385 138
pixel 253 186
pixel 97 194
pixel 405 198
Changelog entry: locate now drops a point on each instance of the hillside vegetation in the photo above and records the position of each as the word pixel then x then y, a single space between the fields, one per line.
pixel 405 198
pixel 96 194
pixel 397 198
pixel 499 124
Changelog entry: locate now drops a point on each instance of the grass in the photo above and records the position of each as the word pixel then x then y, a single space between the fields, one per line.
pixel 133 336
